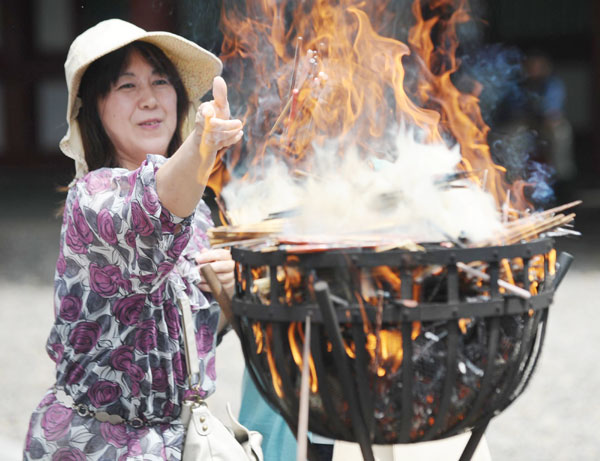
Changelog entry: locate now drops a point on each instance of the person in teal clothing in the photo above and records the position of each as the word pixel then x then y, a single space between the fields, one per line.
pixel 278 442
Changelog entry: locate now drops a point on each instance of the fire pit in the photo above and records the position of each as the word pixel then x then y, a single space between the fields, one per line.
pixel 358 147
pixel 407 346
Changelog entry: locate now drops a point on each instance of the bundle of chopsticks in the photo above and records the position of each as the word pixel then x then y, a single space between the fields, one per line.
pixel 535 224
pixel 268 235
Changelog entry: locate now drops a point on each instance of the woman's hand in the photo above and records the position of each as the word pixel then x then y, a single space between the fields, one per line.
pixel 214 128
pixel 180 181
pixel 222 264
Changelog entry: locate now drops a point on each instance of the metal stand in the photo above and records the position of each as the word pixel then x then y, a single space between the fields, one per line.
pixel 473 442
pixel 343 368
pixel 349 389
pixel 349 396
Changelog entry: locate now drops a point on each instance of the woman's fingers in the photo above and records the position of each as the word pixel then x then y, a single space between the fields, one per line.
pixel 213 125
pixel 215 132
pixel 220 140
pixel 223 267
pixel 210 255
pixel 220 98
pixel 221 263
pixel 217 124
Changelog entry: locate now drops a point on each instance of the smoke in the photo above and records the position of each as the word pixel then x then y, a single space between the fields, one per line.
pixel 348 194
pixel 499 71
pixel 506 106
pixel 198 21
pixel 347 189
pixel 540 178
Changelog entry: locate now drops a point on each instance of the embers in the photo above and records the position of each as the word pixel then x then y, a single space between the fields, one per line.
pixel 433 350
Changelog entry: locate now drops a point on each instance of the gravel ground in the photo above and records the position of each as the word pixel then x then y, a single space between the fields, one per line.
pixel 556 418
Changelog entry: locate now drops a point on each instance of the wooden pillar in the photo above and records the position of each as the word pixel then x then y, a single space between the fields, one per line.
pixel 19 102
pixel 154 15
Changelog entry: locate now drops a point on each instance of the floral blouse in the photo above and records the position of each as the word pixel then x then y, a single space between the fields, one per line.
pixel 123 262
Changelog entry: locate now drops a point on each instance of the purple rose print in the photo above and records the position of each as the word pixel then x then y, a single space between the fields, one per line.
pixel 168 408
pixel 73 240
pixel 211 370
pixel 75 373
pixel 140 220
pixel 150 200
pixel 147 278
pixel 84 337
pixel 131 179
pixel 130 238
pixel 135 388
pixel 165 266
pixel 167 226
pixel 179 244
pixel 70 308
pixel 107 280
pixel 145 336
pixel 115 434
pixel 204 340
pixel 56 421
pixel 122 358
pixel 47 400
pixel 83 229
pixel 56 351
pixel 159 379
pixel 136 373
pixel 190 394
pixel 128 310
pixel 61 264
pixel 68 454
pixel 172 319
pixel 29 434
pixel 106 227
pixel 98 181
pixel 179 368
pixel 134 447
pixel 158 295
pixel 103 393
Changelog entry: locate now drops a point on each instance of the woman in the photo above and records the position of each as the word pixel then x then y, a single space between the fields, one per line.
pixel 133 237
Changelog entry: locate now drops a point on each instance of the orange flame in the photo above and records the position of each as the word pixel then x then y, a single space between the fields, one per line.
pixel 275 378
pixel 351 83
pixel 552 262
pixel 296 328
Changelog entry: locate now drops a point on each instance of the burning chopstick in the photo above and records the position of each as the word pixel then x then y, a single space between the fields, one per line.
pixel 245 242
pixel 544 214
pixel 529 230
pixel 284 111
pixel 295 68
pixel 518 291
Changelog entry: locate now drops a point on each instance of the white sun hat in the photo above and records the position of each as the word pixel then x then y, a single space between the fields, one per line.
pixel 196 66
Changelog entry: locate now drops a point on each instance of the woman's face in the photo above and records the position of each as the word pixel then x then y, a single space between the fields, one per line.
pixel 139 112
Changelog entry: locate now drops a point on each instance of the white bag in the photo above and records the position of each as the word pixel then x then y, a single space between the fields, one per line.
pixel 206 437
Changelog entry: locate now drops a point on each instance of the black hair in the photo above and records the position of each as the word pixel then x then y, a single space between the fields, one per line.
pixel 97 82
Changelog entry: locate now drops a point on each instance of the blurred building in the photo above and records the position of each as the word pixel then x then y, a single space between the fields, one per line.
pixel 35 36
pixel 34 39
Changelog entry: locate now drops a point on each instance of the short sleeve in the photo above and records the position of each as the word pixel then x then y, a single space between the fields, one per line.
pixel 115 217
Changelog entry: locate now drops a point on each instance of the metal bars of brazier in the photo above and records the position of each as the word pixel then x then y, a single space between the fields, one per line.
pixel 406 346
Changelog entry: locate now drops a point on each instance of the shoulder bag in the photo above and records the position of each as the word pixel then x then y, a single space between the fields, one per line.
pixel 206 437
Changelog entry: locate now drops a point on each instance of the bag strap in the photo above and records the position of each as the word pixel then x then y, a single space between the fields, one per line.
pixel 189 337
